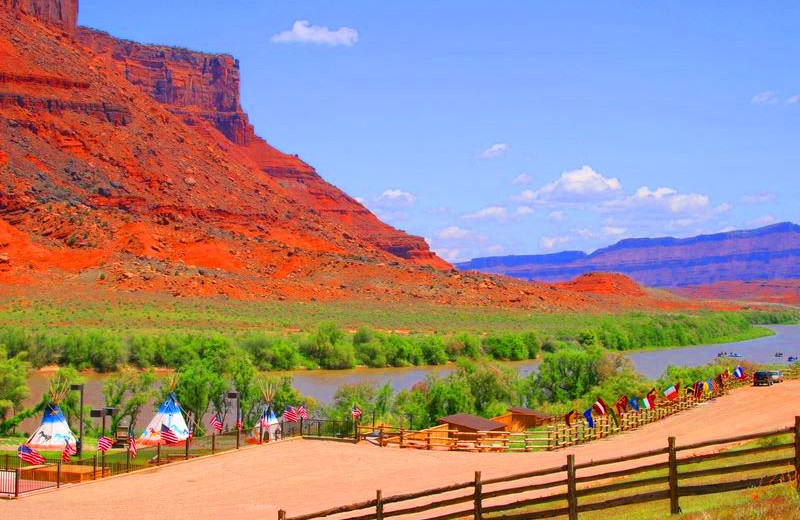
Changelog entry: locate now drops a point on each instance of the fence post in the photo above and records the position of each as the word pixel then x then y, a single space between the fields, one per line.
pixel 16 483
pixel 58 475
pixel 213 442
pixel 797 451
pixel 402 437
pixel 478 496
pixel 94 467
pixel 380 437
pixel 186 449
pixel 379 505
pixel 128 456
pixel 158 454
pixel 674 507
pixel 572 489
pixel 281 514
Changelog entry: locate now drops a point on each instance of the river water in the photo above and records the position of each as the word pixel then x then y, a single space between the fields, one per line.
pixel 322 384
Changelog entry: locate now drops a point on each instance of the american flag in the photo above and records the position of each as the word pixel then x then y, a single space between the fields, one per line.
pixel 104 443
pixel 356 412
pixel 132 446
pixel 168 436
pixel 69 451
pixel 216 423
pixel 290 414
pixel 29 455
pixel 239 422
pixel 302 412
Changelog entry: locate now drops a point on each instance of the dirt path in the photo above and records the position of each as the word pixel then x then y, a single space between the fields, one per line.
pixel 304 476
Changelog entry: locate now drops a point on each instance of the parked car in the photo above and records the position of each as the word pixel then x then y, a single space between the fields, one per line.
pixel 777 376
pixel 762 378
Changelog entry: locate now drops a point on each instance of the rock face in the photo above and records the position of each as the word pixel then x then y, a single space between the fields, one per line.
pixel 61 13
pixel 772 252
pixel 201 87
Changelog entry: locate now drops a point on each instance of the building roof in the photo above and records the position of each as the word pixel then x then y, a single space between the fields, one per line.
pixel 521 410
pixel 472 422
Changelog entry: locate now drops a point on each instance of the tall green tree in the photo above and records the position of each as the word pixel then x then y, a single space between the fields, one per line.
pixel 13 384
pixel 128 391
pixel 197 385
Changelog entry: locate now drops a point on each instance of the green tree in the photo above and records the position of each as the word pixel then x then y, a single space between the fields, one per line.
pixel 13 384
pixel 128 391
pixel 197 385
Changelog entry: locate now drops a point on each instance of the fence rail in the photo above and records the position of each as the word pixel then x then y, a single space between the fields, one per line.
pixel 17 478
pixel 663 474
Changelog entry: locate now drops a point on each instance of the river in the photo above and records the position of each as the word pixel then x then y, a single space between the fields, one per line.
pixel 322 384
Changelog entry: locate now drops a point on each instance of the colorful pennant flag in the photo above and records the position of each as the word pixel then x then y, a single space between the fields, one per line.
pixel 622 404
pixel 738 373
pixel 600 407
pixel 671 393
pixel 634 402
pixel 589 420
pixel 569 417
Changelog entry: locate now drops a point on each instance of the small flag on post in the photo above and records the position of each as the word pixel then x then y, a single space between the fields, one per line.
pixel 216 423
pixel 589 420
pixel 600 407
pixel 634 402
pixel 738 373
pixel 132 446
pixel 239 422
pixel 698 389
pixel 168 436
pixel 569 417
pixel 302 412
pixel 29 455
pixel 614 418
pixel 290 414
pixel 355 412
pixel 104 443
pixel 671 393
pixel 622 405
pixel 649 401
pixel 69 451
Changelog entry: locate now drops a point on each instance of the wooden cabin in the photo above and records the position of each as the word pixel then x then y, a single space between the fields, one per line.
pixel 468 423
pixel 520 419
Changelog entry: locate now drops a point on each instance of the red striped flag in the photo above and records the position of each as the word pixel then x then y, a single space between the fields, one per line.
pixel 302 412
pixel 168 436
pixel 69 451
pixel 355 412
pixel 239 422
pixel 132 446
pixel 216 424
pixel 290 414
pixel 104 443
pixel 29 455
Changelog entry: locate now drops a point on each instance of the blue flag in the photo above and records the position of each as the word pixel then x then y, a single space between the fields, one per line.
pixel 634 402
pixel 588 415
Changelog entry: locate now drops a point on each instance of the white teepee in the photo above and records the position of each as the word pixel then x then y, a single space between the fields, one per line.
pixel 169 414
pixel 54 433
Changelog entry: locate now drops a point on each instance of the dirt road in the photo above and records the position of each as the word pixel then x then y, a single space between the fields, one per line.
pixel 303 476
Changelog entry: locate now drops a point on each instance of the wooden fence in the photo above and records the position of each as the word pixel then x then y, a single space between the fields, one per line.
pixel 660 474
pixel 551 437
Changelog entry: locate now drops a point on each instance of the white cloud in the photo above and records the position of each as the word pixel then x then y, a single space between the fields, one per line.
pixel 495 249
pixel 764 98
pixel 303 32
pixel 793 100
pixel 450 255
pixel 758 198
pixel 522 178
pixel 614 231
pixel 453 233
pixel 396 197
pixel 498 213
pixel 523 211
pixel 585 233
pixel 557 216
pixel 666 198
pixel 580 184
pixel 496 150
pixel 765 220
pixel 550 243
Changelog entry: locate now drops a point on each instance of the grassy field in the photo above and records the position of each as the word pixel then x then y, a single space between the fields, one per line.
pixel 139 312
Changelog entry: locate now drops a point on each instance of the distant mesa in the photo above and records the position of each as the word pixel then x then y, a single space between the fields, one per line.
pixel 767 253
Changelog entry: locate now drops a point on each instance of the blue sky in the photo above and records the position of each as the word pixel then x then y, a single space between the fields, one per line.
pixel 517 127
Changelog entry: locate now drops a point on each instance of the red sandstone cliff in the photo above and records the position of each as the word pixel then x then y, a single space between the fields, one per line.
pixel 59 13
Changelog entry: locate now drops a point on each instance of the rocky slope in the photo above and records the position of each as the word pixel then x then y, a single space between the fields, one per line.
pixel 133 167
pixel 772 252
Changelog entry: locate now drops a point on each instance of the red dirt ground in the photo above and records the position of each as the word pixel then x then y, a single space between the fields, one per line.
pixel 303 476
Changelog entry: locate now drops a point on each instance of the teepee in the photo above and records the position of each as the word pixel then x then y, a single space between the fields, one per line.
pixel 267 427
pixel 54 433
pixel 170 415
